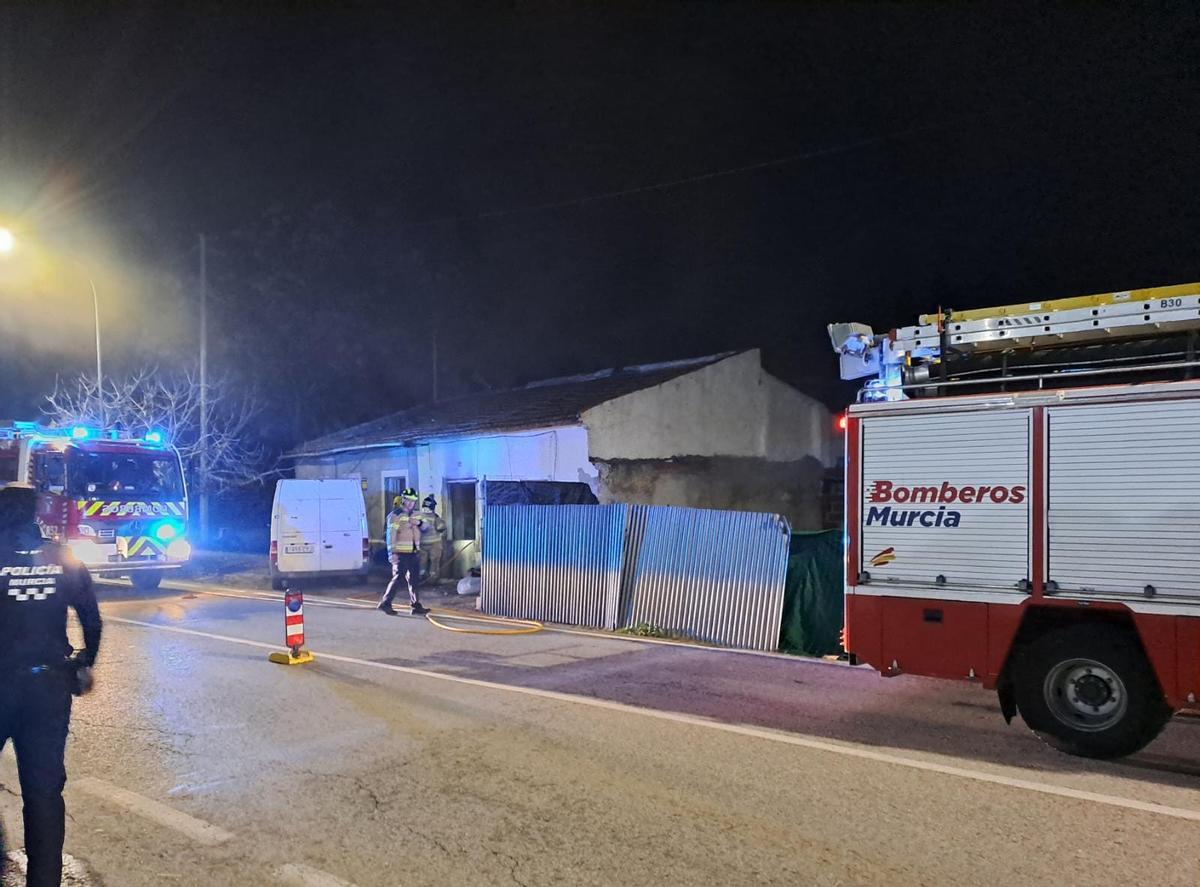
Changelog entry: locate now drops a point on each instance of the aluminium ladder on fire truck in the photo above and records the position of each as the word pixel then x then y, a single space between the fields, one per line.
pixel 907 357
pixel 1081 319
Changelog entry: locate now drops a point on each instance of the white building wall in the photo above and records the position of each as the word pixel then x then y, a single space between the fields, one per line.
pixel 730 408
pixel 559 454
pixel 797 426
pixel 556 454
pixel 315 469
pixel 713 411
pixel 369 466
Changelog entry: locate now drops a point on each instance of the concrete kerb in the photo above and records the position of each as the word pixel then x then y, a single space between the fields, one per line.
pixel 351 603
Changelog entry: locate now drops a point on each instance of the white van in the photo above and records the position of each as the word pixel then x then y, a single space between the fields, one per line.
pixel 318 528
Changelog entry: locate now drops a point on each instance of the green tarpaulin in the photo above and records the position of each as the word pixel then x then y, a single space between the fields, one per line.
pixel 812 598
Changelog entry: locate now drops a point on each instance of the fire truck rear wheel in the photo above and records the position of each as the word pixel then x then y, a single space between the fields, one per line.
pixel 1088 690
pixel 146 580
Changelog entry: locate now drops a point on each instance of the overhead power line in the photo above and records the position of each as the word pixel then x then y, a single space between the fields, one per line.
pixel 813 154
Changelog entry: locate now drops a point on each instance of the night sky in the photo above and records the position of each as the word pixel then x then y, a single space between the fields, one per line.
pixel 561 187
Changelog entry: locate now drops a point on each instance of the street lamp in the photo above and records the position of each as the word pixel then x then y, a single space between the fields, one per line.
pixel 99 370
pixel 8 243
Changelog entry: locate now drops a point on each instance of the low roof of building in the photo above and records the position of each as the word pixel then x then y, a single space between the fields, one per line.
pixel 543 404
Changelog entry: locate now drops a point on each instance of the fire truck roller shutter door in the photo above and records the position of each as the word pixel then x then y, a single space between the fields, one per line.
pixel 1124 499
pixel 947 493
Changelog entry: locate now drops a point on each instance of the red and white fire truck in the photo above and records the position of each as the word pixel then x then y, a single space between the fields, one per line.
pixel 1023 508
pixel 118 503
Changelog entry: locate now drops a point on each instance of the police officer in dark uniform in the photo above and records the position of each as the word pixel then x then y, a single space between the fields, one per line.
pixel 37 677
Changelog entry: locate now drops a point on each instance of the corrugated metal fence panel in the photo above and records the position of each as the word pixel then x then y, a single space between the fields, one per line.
pixel 1124 498
pixel 923 529
pixel 715 576
pixel 554 563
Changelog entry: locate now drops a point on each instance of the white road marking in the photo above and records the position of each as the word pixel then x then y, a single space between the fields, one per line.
pixel 189 826
pixel 846 749
pixel 300 875
pixel 267 597
pixel 231 591
pixel 250 594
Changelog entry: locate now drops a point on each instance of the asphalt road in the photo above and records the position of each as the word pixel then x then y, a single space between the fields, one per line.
pixel 407 755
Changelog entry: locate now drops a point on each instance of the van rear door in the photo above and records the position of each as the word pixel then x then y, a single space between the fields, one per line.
pixel 297 521
pixel 341 526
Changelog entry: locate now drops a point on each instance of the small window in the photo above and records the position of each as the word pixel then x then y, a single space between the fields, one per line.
pixel 393 486
pixel 10 461
pixel 130 475
pixel 538 492
pixel 462 509
pixel 50 473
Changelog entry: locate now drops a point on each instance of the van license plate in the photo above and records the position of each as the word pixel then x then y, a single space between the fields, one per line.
pixel 298 548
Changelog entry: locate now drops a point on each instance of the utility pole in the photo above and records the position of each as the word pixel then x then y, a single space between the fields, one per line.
pixel 99 367
pixel 203 390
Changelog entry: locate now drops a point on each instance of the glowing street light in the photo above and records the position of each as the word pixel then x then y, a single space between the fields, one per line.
pixel 8 243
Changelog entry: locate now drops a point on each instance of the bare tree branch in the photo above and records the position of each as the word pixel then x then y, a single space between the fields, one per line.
pixel 150 399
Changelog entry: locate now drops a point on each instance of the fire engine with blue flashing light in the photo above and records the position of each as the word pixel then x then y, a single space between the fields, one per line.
pixel 117 502
pixel 1023 508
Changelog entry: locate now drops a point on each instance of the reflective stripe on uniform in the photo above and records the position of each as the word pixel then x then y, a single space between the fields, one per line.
pixel 401 525
pixel 432 527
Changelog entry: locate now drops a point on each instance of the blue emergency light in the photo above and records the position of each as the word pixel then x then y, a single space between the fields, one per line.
pixel 81 432
pixel 154 437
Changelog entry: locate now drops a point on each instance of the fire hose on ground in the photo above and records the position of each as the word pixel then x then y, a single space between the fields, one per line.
pixel 512 626
pixel 516 626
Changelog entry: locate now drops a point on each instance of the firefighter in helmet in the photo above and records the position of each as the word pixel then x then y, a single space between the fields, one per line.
pixel 433 533
pixel 403 536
